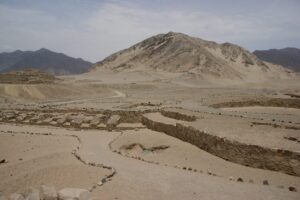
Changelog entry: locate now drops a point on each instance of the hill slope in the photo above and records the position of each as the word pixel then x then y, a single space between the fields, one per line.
pixel 287 57
pixel 191 57
pixel 43 59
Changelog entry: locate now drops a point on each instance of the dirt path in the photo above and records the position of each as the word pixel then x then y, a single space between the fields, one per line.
pixel 118 94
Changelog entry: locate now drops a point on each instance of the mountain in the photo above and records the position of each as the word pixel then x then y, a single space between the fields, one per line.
pixel 43 59
pixel 287 57
pixel 190 57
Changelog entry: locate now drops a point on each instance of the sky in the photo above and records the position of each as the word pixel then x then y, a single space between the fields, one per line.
pixel 94 29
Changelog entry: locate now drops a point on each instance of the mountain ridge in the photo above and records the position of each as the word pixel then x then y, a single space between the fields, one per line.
pixel 288 57
pixel 43 59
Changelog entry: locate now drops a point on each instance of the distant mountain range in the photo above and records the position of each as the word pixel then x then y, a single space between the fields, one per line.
pixel 43 59
pixel 287 57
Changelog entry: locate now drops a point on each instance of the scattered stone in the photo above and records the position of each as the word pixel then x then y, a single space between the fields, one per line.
pixel 265 182
pixel 292 189
pixel 280 186
pixel 73 194
pixel 48 193
pixel 240 180
pixel 231 178
pixel 3 161
pixel 16 196
pixel 99 183
pixel 251 181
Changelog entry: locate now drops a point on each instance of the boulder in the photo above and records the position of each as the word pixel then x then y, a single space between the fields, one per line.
pixel 16 196
pixel 48 193
pixel 73 194
pixel 33 195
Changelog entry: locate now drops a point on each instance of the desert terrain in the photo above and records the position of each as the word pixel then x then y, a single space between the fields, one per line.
pixel 129 129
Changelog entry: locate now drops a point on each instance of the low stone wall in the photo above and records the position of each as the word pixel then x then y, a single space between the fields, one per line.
pixel 178 116
pixel 268 102
pixel 249 155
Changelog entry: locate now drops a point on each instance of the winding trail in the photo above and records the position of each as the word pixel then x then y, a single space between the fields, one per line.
pixel 137 180
pixel 118 94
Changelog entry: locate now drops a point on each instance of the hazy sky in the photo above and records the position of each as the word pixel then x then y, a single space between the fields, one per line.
pixel 93 29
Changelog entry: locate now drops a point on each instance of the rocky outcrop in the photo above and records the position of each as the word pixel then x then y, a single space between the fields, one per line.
pixel 249 155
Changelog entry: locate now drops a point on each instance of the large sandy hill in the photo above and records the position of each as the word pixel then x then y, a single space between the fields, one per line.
pixel 190 58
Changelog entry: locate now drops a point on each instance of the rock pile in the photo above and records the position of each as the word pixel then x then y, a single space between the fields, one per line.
pixel 73 119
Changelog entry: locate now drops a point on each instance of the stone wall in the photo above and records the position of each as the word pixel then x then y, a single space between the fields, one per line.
pixel 249 155
pixel 178 116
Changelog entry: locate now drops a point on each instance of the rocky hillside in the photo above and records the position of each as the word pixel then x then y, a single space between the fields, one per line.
pixel 43 59
pixel 287 57
pixel 189 56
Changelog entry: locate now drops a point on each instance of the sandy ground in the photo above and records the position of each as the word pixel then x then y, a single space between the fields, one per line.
pixel 140 180
pixel 184 155
pixel 41 159
pixel 36 159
